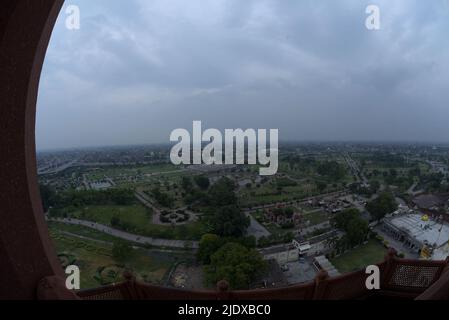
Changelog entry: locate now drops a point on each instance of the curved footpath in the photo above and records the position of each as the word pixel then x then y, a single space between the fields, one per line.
pixel 129 236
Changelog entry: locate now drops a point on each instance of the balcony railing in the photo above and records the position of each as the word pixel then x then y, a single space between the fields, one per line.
pixel 400 279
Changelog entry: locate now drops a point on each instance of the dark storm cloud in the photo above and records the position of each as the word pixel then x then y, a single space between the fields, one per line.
pixel 133 73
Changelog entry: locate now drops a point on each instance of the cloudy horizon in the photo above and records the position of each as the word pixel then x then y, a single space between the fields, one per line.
pixel 130 75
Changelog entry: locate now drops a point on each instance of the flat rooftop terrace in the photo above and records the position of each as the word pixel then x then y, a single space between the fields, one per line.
pixel 423 231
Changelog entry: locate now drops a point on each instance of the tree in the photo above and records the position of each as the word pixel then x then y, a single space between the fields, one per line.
pixel 331 169
pixel 374 186
pixel 393 173
pixel 415 172
pixel 94 197
pixel 121 251
pixel 236 264
pixel 357 231
pixel 342 219
pixel 48 196
pixel 186 183
pixel 202 182
pixel 222 193
pixel 382 205
pixel 208 245
pixel 162 198
pixel 355 227
pixel 321 186
pixel 195 195
pixel 115 221
pixel 229 221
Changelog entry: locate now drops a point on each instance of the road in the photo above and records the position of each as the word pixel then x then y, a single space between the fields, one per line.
pixel 411 191
pixel 143 198
pixel 129 236
pixel 311 229
pixel 358 174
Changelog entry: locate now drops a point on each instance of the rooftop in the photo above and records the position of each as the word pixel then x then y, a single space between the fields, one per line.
pixel 325 264
pixel 276 249
pixel 429 231
pixel 427 201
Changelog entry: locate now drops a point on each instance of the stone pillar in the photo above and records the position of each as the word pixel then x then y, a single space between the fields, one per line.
pixel 223 292
pixel 320 285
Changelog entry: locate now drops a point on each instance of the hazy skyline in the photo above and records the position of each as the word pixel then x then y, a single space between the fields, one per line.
pixel 311 69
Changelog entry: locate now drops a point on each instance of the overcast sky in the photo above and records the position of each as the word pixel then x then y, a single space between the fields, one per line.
pixel 137 69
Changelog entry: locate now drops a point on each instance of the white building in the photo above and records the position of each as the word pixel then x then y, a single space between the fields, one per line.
pixel 282 253
pixel 419 233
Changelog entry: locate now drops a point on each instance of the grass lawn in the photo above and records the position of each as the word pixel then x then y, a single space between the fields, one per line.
pixel 138 220
pixel 275 229
pixel 148 265
pixel 81 231
pixel 131 170
pixel 268 193
pixel 316 217
pixel 371 253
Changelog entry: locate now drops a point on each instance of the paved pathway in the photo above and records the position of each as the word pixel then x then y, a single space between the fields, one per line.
pixel 142 197
pixel 319 226
pixel 129 236
pixel 256 229
pixel 146 201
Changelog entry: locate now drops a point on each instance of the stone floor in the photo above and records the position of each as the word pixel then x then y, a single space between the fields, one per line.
pixel 300 271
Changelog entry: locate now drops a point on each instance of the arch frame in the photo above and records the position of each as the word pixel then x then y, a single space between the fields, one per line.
pixel 29 267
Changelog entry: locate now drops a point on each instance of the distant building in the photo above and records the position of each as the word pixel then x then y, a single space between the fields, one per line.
pixel 214 168
pixel 100 185
pixel 317 245
pixel 282 253
pixel 431 201
pixel 279 217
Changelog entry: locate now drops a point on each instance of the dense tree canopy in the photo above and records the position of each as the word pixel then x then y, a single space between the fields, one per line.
pixel 343 218
pixel 236 264
pixel 162 198
pixel 48 196
pixel 286 212
pixel 229 221
pixel 357 231
pixel 331 169
pixel 186 183
pixel 93 197
pixel 355 227
pixel 121 251
pixel 210 243
pixel 202 182
pixel 382 205
pixel 222 193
